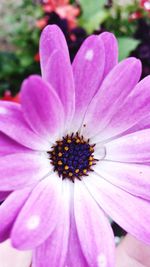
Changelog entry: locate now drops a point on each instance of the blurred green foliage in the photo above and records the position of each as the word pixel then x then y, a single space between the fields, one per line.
pixel 114 19
pixel 24 36
pixel 126 45
pixel 93 14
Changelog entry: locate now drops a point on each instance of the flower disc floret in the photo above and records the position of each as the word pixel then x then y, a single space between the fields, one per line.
pixel 72 157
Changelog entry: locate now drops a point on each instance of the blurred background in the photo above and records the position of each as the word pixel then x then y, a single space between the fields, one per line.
pixel 21 23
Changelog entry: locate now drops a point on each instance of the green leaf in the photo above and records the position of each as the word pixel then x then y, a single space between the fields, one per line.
pixel 93 14
pixel 26 61
pixel 126 45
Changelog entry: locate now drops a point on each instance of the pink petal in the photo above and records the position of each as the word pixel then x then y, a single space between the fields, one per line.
pixel 42 107
pixel 130 212
pixel 58 73
pixel 130 114
pixel 19 170
pixel 13 124
pixel 9 211
pixel 9 146
pixel 144 123
pixel 91 56
pixel 133 178
pixel 134 147
pixel 39 216
pixel 51 39
pixel 53 251
pixel 111 96
pixel 9 256
pixel 4 195
pixel 75 255
pixel 132 252
pixel 93 229
pixel 111 51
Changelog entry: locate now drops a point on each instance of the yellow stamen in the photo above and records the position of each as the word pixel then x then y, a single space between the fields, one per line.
pixel 66 167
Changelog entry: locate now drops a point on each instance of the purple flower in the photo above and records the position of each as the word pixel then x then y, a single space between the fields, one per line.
pixel 76 147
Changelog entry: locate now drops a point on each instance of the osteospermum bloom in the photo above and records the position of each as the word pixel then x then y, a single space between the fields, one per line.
pixel 76 148
pixel 145 4
pixel 8 96
pixel 64 10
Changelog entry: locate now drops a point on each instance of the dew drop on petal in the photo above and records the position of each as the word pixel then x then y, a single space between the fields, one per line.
pixel 89 54
pixel 101 260
pixel 33 222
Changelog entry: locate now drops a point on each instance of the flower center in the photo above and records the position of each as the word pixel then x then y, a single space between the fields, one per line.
pixel 72 157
